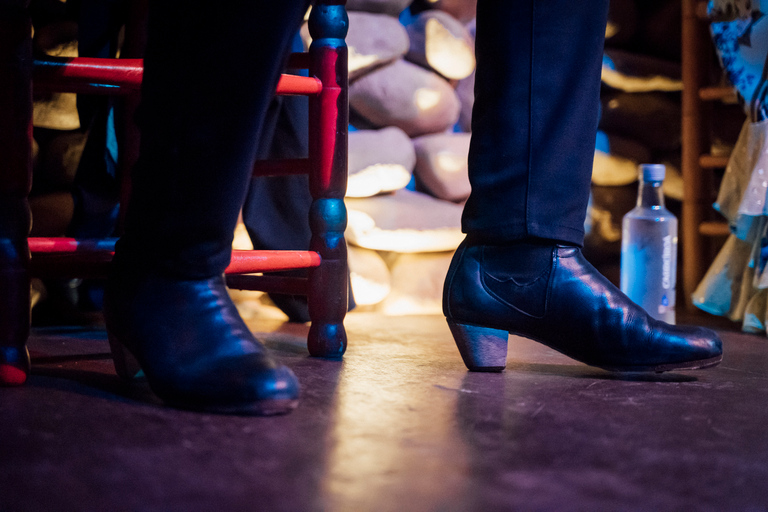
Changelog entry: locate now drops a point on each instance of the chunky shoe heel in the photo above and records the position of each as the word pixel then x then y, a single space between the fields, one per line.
pixel 483 349
pixel 126 366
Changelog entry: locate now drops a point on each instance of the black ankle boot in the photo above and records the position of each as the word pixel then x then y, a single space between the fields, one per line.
pixel 196 352
pixel 554 296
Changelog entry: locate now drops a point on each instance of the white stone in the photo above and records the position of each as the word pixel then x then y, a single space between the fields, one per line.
pixel 405 221
pixel 405 95
pixel 374 40
pixel 441 165
pixel 417 283
pixel 379 161
pixel 369 276
pixel 442 43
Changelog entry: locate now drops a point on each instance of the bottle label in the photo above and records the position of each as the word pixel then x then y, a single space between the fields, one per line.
pixel 666 264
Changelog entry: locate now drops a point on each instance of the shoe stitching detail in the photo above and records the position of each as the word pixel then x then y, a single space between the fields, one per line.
pixel 505 302
pixel 512 279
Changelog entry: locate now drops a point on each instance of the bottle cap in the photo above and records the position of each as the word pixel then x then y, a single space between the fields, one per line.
pixel 653 172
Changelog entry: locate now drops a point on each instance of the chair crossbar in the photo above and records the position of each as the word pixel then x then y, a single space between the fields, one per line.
pixel 70 257
pixel 123 76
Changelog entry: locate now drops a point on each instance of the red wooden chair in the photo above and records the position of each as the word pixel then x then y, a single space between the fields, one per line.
pixel 326 87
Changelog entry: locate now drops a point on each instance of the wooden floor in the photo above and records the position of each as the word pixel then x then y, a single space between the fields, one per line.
pixel 398 425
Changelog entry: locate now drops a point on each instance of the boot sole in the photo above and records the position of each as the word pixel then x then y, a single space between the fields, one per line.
pixel 484 349
pixel 667 367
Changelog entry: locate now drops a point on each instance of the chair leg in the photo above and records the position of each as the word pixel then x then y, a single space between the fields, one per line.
pixel 15 182
pixel 329 119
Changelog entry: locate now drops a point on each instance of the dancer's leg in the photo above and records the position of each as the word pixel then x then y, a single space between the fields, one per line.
pixel 535 116
pixel 210 73
pixel 521 269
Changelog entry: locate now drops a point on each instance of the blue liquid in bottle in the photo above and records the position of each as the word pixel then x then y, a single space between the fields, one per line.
pixel 649 249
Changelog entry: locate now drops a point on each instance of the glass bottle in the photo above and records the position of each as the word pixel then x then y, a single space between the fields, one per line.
pixel 649 248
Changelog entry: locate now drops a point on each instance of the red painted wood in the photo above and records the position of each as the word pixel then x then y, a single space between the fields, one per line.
pixel 294 84
pixel 327 119
pixel 12 376
pixel 264 261
pixel 71 255
pixel 85 74
pixel 123 76
pixel 70 245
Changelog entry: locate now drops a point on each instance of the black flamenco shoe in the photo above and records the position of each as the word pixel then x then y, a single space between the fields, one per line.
pixel 193 347
pixel 553 295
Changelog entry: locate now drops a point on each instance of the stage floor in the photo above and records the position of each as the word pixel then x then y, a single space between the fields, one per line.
pixel 398 425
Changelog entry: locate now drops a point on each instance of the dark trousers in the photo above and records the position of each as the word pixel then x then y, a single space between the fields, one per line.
pixel 535 118
pixel 209 77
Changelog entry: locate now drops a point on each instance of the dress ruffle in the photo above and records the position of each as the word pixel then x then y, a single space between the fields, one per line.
pixel 736 284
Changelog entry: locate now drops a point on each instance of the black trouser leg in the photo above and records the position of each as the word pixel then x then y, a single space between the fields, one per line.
pixel 204 100
pixel 535 117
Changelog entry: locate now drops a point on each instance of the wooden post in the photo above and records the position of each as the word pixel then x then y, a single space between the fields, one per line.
pixel 695 190
pixel 328 124
pixel 15 183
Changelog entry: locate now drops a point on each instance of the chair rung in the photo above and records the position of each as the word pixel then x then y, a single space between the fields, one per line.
pixel 717 93
pixel 123 76
pixel 69 257
pixel 281 167
pixel 714 229
pixel 295 84
pixel 70 245
pixel 246 262
pixel 701 11
pixel 713 162
pixel 87 75
pixel 269 284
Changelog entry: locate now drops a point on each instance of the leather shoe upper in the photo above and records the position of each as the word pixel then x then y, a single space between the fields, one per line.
pixel 566 304
pixel 192 344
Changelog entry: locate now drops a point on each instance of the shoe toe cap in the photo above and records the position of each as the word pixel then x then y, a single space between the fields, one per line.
pixel 277 383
